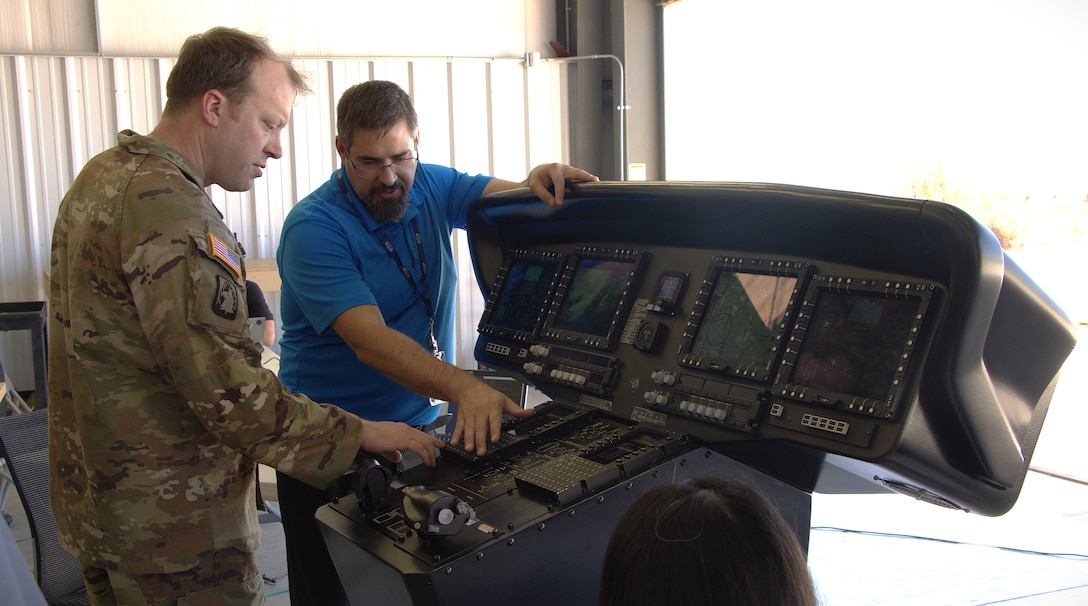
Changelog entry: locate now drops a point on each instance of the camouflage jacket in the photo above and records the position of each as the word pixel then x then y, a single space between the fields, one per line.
pixel 158 404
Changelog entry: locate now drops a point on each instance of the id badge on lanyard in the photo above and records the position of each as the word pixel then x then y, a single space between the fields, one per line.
pixel 440 356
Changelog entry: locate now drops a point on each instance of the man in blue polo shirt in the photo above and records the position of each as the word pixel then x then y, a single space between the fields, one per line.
pixel 367 300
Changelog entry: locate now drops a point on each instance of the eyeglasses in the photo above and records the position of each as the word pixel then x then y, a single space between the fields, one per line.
pixel 370 168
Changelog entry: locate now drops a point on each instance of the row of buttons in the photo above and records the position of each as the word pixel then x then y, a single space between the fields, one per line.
pixel 700 406
pixel 704 410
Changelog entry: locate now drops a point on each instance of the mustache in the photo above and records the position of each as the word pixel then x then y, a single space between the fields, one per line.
pixel 382 188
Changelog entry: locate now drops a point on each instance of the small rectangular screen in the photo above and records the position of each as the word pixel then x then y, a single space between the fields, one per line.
pixel 743 317
pixel 522 301
pixel 854 343
pixel 595 296
pixel 669 288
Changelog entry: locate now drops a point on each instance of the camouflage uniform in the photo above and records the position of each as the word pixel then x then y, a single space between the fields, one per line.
pixel 158 404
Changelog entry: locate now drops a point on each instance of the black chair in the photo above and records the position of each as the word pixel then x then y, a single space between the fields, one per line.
pixel 24 443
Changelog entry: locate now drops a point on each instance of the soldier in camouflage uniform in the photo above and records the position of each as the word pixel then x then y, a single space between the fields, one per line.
pixel 159 408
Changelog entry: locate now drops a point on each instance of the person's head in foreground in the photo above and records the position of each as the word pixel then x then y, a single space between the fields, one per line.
pixel 706 541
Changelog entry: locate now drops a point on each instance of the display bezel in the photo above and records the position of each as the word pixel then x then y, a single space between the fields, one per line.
pixel 609 327
pixel 688 353
pixel 490 324
pixel 825 291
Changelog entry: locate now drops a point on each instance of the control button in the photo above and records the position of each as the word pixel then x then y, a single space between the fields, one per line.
pixel 663 377
pixel 539 350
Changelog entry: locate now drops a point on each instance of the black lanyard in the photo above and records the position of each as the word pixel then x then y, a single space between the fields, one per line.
pixel 387 243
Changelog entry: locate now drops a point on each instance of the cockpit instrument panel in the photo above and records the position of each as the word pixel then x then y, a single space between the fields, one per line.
pixel 811 340
pixel 763 317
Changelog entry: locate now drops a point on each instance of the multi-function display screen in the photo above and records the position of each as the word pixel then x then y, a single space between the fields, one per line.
pixel 855 343
pixel 740 318
pixel 743 317
pixel 520 296
pixel 594 295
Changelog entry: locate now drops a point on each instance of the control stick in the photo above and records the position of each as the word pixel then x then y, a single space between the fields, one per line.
pixel 373 490
pixel 434 513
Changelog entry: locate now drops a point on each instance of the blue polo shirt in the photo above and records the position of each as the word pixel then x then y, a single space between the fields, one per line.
pixel 331 259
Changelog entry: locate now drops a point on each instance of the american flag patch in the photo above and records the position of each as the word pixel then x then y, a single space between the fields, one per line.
pixel 226 254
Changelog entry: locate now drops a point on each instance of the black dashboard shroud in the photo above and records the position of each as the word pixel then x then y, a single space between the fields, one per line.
pixel 854 331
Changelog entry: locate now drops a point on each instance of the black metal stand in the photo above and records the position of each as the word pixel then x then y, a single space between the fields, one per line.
pixel 30 315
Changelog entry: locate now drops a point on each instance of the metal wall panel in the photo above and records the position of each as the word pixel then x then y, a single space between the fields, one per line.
pixel 491 116
pixel 312 28
pixel 47 26
pixel 332 28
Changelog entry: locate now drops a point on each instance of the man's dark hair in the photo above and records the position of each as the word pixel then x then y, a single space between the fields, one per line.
pixel 375 106
pixel 222 59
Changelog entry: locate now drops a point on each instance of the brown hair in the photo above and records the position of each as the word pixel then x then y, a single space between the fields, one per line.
pixel 376 106
pixel 222 59
pixel 705 541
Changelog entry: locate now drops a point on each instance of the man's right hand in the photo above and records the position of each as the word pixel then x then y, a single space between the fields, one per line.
pixel 479 416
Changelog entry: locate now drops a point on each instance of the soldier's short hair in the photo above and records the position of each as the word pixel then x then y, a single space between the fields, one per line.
pixel 375 106
pixel 222 59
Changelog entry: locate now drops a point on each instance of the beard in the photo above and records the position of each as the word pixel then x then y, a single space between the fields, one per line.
pixel 386 209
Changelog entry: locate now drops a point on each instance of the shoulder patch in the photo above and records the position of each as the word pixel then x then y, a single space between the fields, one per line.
pixel 226 298
pixel 220 250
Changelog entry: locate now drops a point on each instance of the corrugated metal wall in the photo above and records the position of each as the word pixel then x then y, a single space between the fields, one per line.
pixel 491 116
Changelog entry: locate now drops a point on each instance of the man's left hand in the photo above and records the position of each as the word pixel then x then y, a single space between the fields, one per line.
pixel 548 181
